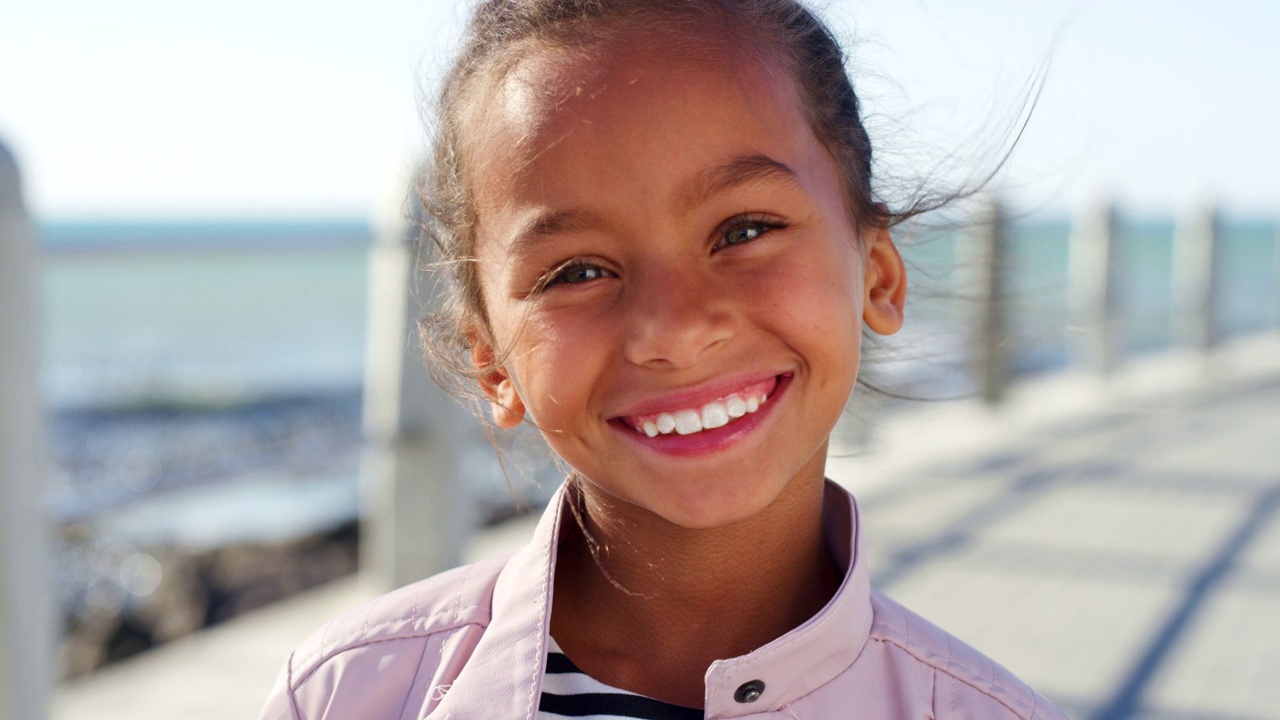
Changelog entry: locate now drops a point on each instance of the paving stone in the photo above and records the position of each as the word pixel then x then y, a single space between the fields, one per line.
pixel 1068 638
pixel 1228 663
pixel 1134 521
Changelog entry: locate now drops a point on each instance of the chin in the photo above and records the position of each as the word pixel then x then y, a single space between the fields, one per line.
pixel 714 507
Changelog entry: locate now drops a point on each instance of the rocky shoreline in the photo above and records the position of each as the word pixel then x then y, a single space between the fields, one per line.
pixel 172 517
pixel 186 592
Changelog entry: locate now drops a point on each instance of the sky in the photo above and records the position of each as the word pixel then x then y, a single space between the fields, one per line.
pixel 150 109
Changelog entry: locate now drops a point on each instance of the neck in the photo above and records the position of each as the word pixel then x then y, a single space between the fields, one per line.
pixel 647 606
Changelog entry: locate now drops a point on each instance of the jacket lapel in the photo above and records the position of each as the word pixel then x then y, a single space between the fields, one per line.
pixel 503 677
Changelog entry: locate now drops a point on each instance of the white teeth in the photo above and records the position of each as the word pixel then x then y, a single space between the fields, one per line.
pixel 688 422
pixel 735 406
pixel 714 415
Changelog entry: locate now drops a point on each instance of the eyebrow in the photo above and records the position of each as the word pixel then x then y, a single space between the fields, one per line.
pixel 553 222
pixel 736 172
pixel 733 173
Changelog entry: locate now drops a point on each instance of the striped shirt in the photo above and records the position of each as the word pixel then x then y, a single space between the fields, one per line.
pixel 569 692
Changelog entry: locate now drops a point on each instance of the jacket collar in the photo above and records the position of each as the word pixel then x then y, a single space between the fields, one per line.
pixel 503 678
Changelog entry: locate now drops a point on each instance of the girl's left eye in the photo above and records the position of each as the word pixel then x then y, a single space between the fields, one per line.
pixel 744 229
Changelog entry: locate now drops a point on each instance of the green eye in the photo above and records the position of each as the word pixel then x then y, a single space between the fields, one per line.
pixel 745 229
pixel 743 234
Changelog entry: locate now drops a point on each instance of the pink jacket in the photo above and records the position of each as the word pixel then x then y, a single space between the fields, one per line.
pixel 470 644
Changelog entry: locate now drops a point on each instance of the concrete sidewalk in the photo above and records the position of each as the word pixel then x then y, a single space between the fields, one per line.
pixel 1124 562
pixel 1116 545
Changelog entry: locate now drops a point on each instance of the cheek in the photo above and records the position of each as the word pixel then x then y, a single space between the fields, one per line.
pixel 554 362
pixel 814 303
pixel 818 291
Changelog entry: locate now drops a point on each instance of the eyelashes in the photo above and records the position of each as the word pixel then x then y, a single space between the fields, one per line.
pixel 745 228
pixel 574 272
pixel 739 230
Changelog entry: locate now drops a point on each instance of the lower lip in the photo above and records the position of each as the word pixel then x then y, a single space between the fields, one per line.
pixel 706 441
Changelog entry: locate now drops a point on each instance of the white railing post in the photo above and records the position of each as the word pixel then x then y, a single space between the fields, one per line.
pixel 1094 294
pixel 26 617
pixel 989 250
pixel 417 511
pixel 1275 270
pixel 1196 266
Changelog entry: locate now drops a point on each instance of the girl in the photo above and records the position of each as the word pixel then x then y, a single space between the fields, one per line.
pixel 660 219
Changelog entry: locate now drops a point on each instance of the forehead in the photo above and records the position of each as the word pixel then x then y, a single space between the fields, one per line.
pixel 628 118
pixel 545 82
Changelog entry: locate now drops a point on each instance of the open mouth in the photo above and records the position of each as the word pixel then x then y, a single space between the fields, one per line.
pixel 717 413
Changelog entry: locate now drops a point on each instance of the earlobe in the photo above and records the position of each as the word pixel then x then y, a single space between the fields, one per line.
pixel 885 284
pixel 505 404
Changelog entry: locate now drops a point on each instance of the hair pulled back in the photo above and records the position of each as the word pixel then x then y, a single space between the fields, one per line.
pixel 502 32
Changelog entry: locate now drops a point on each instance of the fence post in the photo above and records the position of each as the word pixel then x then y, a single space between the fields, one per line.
pixel 990 242
pixel 1275 270
pixel 1196 267
pixel 26 627
pixel 417 507
pixel 1095 310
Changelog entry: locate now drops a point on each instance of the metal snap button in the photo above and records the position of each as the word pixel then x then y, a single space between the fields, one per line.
pixel 749 692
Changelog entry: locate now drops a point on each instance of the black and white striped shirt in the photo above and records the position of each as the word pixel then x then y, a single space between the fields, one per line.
pixel 569 692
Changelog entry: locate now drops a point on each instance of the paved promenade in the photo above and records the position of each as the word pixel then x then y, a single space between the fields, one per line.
pixel 1117 546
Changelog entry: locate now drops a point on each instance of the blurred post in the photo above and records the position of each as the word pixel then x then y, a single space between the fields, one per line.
pixel 1095 310
pixel 417 514
pixel 1196 266
pixel 989 250
pixel 26 628
pixel 1275 271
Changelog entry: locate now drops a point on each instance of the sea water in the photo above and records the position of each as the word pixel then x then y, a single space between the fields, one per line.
pixel 136 314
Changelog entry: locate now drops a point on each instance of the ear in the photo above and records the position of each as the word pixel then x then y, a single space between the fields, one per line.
pixel 885 285
pixel 496 384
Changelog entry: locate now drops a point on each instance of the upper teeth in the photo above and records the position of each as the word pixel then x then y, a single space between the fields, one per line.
pixel 714 414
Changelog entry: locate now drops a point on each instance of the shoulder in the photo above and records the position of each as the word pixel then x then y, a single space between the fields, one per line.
pixel 967 684
pixel 388 651
pixel 440 603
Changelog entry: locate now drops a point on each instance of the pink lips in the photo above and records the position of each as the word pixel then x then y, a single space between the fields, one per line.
pixel 756 392
pixel 698 396
pixel 706 440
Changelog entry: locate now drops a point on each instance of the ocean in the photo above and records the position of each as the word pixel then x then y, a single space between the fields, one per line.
pixel 203 313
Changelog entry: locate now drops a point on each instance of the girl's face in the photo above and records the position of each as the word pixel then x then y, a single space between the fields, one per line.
pixel 663 241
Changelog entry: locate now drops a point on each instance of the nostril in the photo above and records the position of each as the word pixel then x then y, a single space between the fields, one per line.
pixel 675 343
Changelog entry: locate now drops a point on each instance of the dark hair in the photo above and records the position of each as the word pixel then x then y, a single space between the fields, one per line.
pixel 502 32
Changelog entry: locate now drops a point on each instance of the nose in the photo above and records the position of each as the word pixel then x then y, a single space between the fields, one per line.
pixel 676 318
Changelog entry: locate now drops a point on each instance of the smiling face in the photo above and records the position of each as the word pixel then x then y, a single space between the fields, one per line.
pixel 670 273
